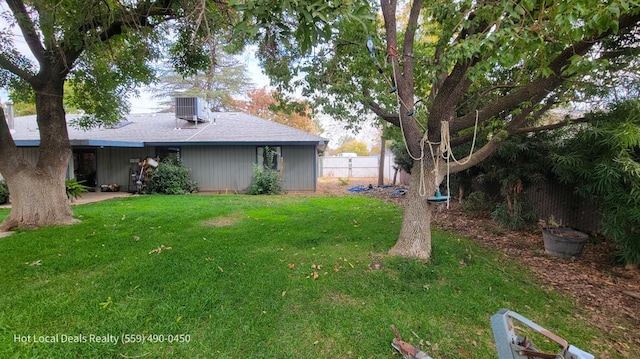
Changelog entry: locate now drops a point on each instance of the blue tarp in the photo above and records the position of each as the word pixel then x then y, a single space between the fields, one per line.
pixel 359 188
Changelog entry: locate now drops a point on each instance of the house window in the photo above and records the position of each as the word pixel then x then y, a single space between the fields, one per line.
pixel 269 157
pixel 164 152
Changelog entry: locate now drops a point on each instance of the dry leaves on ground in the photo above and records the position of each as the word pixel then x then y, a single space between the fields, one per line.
pixel 604 291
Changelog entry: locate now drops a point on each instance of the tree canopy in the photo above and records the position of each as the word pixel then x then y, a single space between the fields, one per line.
pixel 104 50
pixel 447 73
pixel 266 103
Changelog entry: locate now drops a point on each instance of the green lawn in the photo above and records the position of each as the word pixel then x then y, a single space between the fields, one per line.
pixel 256 277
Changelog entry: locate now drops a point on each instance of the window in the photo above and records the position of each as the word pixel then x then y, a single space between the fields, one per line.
pixel 164 152
pixel 269 157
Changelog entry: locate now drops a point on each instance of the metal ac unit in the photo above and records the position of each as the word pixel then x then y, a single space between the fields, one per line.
pixel 191 109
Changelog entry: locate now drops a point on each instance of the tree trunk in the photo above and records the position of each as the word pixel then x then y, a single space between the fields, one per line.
pixel 414 240
pixel 383 153
pixel 38 198
pixel 37 190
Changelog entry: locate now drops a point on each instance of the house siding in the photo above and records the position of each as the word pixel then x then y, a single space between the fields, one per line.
pixel 299 168
pixel 230 168
pixel 220 168
pixel 114 167
pixel 227 169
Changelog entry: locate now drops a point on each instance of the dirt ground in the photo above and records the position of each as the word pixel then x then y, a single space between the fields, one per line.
pixel 607 293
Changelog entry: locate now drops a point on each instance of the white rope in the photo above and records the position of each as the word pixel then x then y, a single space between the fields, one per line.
pixel 446 139
pixel 444 144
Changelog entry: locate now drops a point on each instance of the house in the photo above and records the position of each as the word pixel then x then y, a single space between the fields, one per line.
pixel 220 150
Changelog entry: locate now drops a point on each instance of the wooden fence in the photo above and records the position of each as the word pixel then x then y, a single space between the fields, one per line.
pixel 557 199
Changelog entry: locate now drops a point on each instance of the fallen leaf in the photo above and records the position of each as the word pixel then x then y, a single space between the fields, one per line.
pixel 35 263
pixel 105 304
pixel 160 249
pixel 284 292
pixel 291 265
pixel 136 238
pixel 315 275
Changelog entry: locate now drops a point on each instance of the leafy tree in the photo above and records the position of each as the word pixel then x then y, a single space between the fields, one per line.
pixel 224 79
pixel 438 70
pixel 603 160
pixel 103 50
pixel 266 103
pixel 352 145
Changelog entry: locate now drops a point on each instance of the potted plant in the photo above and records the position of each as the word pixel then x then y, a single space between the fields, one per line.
pixel 562 241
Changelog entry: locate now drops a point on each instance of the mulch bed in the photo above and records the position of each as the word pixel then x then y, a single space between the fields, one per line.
pixel 604 290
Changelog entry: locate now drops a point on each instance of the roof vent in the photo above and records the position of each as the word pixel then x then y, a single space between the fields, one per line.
pixel 192 109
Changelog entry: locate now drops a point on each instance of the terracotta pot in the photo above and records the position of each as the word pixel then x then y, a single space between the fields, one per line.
pixel 564 242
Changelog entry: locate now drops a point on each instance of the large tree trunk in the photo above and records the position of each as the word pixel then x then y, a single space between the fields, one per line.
pixel 414 240
pixel 38 193
pixel 38 198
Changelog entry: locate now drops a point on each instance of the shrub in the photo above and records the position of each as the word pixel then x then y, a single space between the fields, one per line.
pixel 266 179
pixel 4 192
pixel 603 160
pixel 516 215
pixel 74 188
pixel 171 177
pixel 478 204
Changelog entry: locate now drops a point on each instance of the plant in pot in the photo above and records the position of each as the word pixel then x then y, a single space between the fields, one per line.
pixel 561 241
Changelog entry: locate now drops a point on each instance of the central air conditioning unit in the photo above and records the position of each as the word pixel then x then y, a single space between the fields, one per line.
pixel 192 109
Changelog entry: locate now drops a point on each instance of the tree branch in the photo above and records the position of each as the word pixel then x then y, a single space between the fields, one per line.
pixel 8 149
pixel 409 40
pixel 28 30
pixel 563 123
pixel 393 119
pixel 540 87
pixel 128 17
pixel 10 66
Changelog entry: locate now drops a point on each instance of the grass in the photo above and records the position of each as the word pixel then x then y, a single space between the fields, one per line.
pixel 256 277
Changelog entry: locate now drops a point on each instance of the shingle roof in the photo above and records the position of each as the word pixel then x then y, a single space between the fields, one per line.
pixel 228 128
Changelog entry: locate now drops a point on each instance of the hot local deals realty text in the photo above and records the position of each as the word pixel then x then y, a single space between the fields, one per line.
pixel 66 338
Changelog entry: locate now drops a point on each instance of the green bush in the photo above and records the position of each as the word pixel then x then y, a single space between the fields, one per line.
pixel 516 215
pixel 603 160
pixel 4 192
pixel 171 177
pixel 74 188
pixel 265 181
pixel 477 204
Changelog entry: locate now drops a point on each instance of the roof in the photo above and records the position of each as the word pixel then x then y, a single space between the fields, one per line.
pixel 163 129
